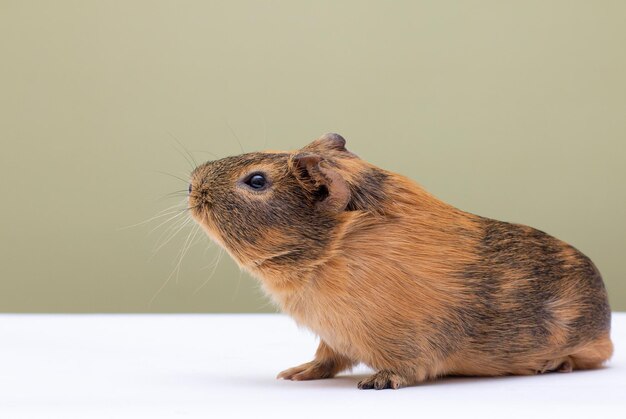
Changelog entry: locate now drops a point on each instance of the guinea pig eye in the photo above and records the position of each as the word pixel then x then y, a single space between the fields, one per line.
pixel 256 181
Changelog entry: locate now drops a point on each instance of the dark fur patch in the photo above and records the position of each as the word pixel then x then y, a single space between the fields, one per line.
pixel 522 269
pixel 368 194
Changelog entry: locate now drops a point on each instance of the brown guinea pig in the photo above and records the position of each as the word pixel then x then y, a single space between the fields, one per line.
pixel 388 275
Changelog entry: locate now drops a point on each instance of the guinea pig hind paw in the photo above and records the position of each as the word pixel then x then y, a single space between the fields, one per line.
pixel 382 380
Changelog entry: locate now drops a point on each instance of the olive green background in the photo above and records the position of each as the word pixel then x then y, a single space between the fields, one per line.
pixel 512 110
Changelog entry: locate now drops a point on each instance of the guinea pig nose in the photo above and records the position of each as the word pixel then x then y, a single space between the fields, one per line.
pixel 189 189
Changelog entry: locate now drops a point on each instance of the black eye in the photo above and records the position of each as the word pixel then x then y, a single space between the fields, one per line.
pixel 256 181
pixel 189 188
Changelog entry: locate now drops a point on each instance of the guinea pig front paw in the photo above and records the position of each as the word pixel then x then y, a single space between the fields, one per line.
pixel 313 370
pixel 381 380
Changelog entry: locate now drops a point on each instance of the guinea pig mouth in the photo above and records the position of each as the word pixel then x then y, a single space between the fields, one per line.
pixel 203 219
pixel 199 215
pixel 197 202
pixel 198 210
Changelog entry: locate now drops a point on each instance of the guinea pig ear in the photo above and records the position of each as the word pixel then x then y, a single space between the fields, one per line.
pixel 328 188
pixel 328 142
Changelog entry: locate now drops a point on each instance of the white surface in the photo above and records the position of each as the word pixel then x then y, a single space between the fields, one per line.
pixel 212 366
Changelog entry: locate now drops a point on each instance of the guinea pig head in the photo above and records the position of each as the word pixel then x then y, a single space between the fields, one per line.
pixel 274 210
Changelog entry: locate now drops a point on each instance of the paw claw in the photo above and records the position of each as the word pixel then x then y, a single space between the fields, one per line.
pixel 381 380
pixel 566 366
pixel 310 371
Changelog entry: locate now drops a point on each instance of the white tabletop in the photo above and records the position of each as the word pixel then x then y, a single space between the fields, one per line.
pixel 212 366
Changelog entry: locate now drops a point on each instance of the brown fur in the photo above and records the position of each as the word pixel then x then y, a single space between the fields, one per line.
pixel 388 275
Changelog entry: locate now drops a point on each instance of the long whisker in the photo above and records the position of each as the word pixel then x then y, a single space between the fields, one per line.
pixel 235 135
pixel 176 270
pixel 217 262
pixel 238 285
pixel 207 152
pixel 171 175
pixel 174 226
pixel 210 265
pixel 188 243
pixel 264 132
pixel 173 206
pixel 177 214
pixel 186 221
pixel 192 162
pixel 174 193
pixel 146 221
pixel 188 153
pixel 160 214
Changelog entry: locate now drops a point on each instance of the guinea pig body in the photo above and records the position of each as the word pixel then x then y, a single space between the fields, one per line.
pixel 388 275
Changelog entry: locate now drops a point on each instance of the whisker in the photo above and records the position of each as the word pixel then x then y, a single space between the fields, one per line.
pixel 176 215
pixel 204 253
pixel 217 262
pixel 178 228
pixel 188 242
pixel 207 152
pixel 146 221
pixel 167 235
pixel 172 207
pixel 264 132
pixel 185 222
pixel 182 221
pixel 235 135
pixel 192 162
pixel 182 253
pixel 183 193
pixel 174 176
pixel 159 214
pixel 238 285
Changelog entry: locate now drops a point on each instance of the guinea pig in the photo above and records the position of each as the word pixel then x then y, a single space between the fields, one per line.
pixel 389 276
